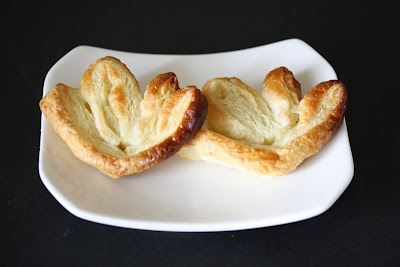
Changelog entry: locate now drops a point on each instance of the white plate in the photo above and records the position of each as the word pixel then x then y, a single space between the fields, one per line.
pixel 184 195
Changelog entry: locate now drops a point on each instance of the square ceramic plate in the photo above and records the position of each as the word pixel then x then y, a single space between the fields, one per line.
pixel 184 195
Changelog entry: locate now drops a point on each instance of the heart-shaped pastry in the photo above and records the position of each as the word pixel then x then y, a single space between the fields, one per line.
pixel 269 133
pixel 108 124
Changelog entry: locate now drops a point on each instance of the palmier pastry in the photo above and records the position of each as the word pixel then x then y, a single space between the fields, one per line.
pixel 108 124
pixel 269 133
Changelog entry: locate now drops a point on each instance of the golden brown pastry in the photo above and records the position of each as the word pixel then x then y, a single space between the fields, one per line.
pixel 108 124
pixel 270 133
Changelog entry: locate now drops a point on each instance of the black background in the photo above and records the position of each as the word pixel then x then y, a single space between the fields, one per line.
pixel 360 40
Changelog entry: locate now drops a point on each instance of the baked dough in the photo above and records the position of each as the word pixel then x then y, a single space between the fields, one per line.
pixel 269 133
pixel 108 124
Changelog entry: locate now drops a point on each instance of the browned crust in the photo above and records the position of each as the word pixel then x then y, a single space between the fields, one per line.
pixel 282 75
pixel 55 109
pixel 274 161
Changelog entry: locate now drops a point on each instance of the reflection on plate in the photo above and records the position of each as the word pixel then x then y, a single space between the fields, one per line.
pixel 184 195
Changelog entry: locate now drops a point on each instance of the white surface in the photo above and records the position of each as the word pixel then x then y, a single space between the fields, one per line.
pixel 184 195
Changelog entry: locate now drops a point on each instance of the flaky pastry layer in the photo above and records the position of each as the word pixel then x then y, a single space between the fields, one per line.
pixel 108 124
pixel 269 133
